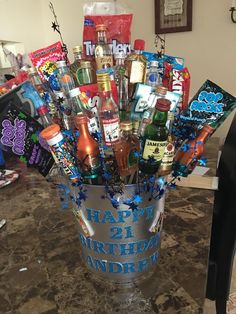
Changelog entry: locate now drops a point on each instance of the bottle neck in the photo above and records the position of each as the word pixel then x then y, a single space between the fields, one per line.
pixel 160 118
pixel 120 61
pixel 83 130
pixel 125 133
pixel 105 94
pixel 77 56
pixel 102 37
pixel 138 52
pixel 203 136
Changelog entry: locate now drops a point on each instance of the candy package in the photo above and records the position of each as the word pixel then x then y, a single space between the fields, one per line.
pixel 118 26
pixel 44 60
pixel 19 135
pixel 211 105
pixel 176 62
pixel 177 81
pixel 16 81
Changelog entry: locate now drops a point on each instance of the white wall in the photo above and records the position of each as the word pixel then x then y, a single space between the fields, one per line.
pixel 209 50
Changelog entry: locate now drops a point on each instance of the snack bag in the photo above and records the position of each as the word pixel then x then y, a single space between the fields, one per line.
pixel 177 81
pixel 119 25
pixel 44 60
pixel 19 135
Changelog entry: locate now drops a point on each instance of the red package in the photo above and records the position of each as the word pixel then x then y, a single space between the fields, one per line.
pixel 177 81
pixel 44 59
pixel 91 91
pixel 118 32
pixel 19 79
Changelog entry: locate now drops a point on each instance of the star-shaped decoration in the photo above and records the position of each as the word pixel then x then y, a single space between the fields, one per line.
pixel 55 27
pixel 61 100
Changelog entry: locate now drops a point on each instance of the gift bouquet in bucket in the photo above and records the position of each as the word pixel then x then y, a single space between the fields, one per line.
pixel 119 126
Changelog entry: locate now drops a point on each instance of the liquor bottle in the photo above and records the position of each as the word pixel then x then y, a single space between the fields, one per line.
pixel 79 105
pixel 65 77
pixel 147 115
pixel 167 160
pixel 108 110
pixel 122 85
pixel 36 81
pixel 75 66
pixel 125 150
pixel 136 65
pixel 87 149
pixel 155 138
pixel 86 73
pixel 45 117
pixel 153 77
pixel 103 52
pixel 186 160
pixel 65 109
pixel 60 151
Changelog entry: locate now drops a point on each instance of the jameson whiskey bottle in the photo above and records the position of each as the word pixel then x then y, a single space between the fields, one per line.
pixel 108 110
pixel 103 52
pixel 155 138
pixel 136 65
pixel 125 150
pixel 75 66
pixel 185 161
pixel 167 160
pixel 87 149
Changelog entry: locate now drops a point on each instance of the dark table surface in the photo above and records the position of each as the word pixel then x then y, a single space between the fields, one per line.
pixel 41 269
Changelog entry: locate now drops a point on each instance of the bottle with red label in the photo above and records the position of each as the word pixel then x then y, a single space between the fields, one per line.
pixel 108 110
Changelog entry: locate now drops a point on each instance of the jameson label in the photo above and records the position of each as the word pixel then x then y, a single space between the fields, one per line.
pixel 154 149
pixel 168 157
pixel 137 70
pixel 104 62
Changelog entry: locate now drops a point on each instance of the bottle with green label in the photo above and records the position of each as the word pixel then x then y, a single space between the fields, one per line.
pixel 155 138
pixel 126 150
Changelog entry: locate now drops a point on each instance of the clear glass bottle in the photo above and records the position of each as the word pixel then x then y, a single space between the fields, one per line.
pixel 103 52
pixel 36 81
pixel 75 66
pixel 65 109
pixel 122 85
pixel 155 138
pixel 136 65
pixel 125 150
pixel 65 77
pixel 85 74
pixel 45 117
pixel 79 106
pixel 108 110
pixel 148 114
pixel 87 149
pixel 153 77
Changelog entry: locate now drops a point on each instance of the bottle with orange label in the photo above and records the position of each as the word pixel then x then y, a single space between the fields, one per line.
pixel 103 52
pixel 87 149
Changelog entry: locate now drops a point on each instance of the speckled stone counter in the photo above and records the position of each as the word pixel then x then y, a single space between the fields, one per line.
pixel 42 270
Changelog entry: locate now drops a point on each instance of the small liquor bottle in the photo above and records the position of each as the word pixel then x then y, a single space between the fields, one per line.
pixel 75 66
pixel 136 65
pixel 153 77
pixel 36 81
pixel 155 138
pixel 125 150
pixel 187 160
pixel 103 52
pixel 108 110
pixel 87 149
pixel 65 77
pixel 167 160
pixel 85 74
pixel 44 116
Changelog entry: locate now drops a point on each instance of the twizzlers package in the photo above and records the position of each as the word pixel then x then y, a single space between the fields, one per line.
pixel 19 135
pixel 118 27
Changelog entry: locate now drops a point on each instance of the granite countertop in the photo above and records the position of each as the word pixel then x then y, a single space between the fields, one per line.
pixel 41 264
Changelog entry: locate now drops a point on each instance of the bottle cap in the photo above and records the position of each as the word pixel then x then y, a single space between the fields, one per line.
pixel 120 55
pixel 61 63
pixel 32 70
pixel 104 82
pixel 161 90
pixel 85 64
pixel 78 49
pixel 154 63
pixel 139 44
pixel 50 132
pixel 126 126
pixel 74 92
pixel 42 110
pixel 80 118
pixel 101 27
pixel 163 104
